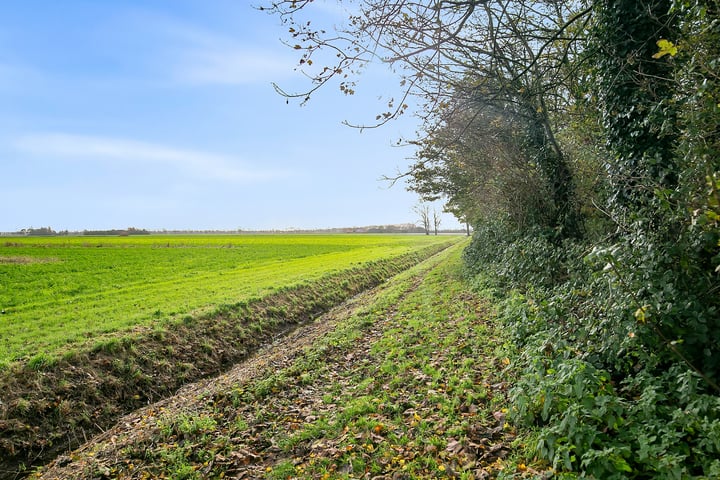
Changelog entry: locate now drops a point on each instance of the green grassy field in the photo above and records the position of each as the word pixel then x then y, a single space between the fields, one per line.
pixel 64 291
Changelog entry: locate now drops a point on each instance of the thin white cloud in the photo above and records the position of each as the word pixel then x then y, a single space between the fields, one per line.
pixel 231 66
pixel 199 56
pixel 196 163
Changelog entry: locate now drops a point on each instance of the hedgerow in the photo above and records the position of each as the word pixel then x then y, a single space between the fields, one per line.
pixel 616 333
pixel 604 396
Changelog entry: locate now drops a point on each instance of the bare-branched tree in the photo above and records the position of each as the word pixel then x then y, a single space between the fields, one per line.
pixel 423 211
pixel 456 58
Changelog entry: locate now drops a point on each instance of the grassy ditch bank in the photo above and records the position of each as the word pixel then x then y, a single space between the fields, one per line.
pixel 53 405
pixel 404 384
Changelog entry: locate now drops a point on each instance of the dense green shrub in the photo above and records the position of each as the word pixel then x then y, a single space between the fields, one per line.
pixel 527 259
pixel 607 400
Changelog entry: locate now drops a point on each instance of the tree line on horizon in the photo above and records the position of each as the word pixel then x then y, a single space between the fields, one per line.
pixel 50 232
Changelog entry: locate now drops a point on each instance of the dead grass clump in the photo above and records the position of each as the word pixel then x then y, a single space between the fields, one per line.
pixel 25 260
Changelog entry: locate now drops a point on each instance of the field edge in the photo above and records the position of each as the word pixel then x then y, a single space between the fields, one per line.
pixel 54 405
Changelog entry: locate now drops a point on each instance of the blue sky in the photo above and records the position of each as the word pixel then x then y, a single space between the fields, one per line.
pixel 161 114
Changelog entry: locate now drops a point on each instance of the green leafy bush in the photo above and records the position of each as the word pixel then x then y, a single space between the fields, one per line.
pixel 608 396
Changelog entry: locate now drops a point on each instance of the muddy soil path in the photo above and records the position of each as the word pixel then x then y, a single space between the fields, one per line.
pixel 399 382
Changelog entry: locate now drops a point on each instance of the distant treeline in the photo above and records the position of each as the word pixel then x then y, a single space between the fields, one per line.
pixel 48 231
pixel 122 233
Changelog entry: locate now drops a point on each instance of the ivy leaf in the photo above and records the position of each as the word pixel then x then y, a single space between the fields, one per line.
pixel 666 48
pixel 641 314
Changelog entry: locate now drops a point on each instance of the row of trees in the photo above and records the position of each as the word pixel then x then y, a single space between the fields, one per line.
pixel 581 139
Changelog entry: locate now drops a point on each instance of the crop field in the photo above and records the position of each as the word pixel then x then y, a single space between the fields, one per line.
pixel 60 292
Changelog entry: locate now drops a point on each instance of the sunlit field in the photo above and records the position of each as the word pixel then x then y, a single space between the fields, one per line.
pixel 60 291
